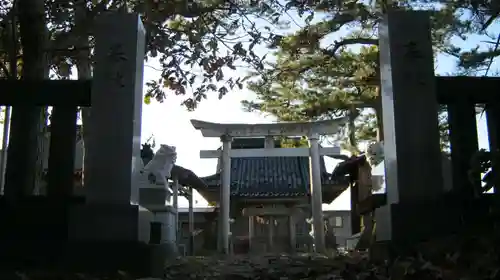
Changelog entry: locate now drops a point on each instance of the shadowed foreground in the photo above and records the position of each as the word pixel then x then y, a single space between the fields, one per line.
pixel 474 257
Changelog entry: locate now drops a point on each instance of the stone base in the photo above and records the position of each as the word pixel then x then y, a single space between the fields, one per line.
pixel 410 223
pixel 109 222
pixel 39 233
pixel 98 257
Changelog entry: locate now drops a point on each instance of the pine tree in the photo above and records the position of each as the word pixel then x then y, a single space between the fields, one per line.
pixel 330 68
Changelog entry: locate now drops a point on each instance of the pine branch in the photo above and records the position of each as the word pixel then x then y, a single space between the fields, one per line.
pixel 349 41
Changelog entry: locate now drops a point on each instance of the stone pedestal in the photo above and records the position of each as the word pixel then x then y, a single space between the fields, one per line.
pixel 410 223
pixel 166 216
pixel 121 222
pixel 39 232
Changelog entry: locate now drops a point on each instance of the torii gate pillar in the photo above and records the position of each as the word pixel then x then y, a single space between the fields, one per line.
pixel 225 200
pixel 316 195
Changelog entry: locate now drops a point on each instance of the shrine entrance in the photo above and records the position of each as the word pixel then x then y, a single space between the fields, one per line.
pixel 272 229
pixel 310 156
pixel 270 234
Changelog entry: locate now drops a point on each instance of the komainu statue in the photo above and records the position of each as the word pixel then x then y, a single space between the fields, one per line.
pixel 159 168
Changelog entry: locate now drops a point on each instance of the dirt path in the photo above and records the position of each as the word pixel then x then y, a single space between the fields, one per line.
pixel 449 258
pixel 271 267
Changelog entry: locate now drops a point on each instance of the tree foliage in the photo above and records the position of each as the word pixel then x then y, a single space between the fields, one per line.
pixel 198 42
pixel 330 66
pixel 195 42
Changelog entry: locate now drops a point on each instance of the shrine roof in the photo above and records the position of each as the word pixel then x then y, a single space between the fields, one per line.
pixel 268 177
pixel 259 177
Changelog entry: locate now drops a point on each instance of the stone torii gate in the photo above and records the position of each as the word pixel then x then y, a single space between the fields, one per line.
pixel 310 129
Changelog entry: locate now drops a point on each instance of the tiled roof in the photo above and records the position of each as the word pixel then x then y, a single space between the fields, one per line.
pixel 267 176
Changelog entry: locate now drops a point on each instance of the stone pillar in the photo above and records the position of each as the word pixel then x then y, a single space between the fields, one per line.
pixel 165 216
pixel 292 233
pixel 191 222
pixel 112 211
pixel 116 103
pixel 271 234
pixel 493 122
pixel 316 195
pixel 225 193
pixel 175 205
pixel 411 136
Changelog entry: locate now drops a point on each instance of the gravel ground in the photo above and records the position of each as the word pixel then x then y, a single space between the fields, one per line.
pixel 451 258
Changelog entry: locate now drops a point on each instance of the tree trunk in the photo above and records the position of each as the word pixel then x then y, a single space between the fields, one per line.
pixel 42 139
pixel 41 152
pixel 84 73
pixel 353 143
pixel 23 170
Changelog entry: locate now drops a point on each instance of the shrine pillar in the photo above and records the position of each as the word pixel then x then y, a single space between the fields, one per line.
pixel 191 222
pixel 175 205
pixel 225 193
pixel 316 196
pixel 270 235
pixel 292 233
pixel 251 220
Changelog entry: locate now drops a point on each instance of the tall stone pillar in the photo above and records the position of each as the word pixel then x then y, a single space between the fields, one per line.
pixel 316 195
pixel 225 193
pixel 412 153
pixel 191 222
pixel 116 109
pixel 112 211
